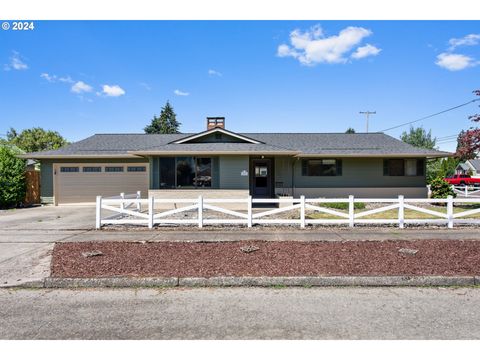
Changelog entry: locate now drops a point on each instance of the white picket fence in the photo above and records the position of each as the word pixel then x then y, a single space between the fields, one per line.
pixel 128 210
pixel 467 191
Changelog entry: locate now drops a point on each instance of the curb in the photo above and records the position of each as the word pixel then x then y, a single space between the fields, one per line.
pixel 305 281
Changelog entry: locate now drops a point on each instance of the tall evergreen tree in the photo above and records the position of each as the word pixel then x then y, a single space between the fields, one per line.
pixel 166 123
pixel 419 137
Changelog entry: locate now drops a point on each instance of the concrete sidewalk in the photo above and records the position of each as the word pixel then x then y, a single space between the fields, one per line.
pixel 51 236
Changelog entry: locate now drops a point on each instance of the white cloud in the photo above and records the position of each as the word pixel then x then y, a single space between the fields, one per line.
pixel 16 63
pixel 54 78
pixel 112 90
pixel 212 72
pixel 313 47
pixel 48 77
pixel 80 87
pixel 364 51
pixel 468 40
pixel 181 93
pixel 455 62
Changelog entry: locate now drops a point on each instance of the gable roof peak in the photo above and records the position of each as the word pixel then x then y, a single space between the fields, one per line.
pixel 216 130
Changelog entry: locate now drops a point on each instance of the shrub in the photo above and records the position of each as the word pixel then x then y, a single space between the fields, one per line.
pixel 441 189
pixel 12 178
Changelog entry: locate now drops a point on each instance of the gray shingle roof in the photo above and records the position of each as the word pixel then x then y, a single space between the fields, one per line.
pixel 359 144
pixel 475 163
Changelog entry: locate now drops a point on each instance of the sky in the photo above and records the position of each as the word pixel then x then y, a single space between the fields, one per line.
pixel 85 77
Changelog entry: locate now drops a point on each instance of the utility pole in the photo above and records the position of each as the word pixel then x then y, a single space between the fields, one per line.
pixel 367 115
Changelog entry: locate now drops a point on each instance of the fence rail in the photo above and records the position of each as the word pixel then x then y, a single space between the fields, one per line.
pixel 127 209
pixel 467 191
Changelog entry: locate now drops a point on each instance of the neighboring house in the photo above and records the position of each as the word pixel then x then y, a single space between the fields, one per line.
pixel 469 167
pixel 222 163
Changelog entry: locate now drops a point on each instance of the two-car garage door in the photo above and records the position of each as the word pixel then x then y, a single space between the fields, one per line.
pixel 83 182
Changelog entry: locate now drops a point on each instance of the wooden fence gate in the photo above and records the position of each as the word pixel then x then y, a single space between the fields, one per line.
pixel 32 179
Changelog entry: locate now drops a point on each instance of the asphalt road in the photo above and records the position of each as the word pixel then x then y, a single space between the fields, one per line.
pixel 241 313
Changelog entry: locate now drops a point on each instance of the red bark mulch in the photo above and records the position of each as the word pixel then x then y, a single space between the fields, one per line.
pixel 182 259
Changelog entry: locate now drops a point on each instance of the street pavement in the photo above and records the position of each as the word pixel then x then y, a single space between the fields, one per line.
pixel 241 313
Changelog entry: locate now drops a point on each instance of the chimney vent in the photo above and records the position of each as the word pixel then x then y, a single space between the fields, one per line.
pixel 215 122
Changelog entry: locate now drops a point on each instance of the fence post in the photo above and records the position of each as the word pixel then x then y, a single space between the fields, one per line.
pixel 450 211
pixel 98 218
pixel 249 211
pixel 122 204
pixel 302 211
pixel 200 211
pixel 139 205
pixel 151 200
pixel 466 190
pixel 401 212
pixel 351 211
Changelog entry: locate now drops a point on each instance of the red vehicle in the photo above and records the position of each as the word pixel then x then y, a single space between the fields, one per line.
pixel 462 180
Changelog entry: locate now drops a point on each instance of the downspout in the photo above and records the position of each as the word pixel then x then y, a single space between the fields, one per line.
pixel 293 177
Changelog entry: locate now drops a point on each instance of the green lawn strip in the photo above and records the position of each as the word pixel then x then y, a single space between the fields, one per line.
pixel 393 214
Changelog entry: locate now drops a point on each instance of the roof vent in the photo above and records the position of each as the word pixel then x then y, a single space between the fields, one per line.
pixel 215 122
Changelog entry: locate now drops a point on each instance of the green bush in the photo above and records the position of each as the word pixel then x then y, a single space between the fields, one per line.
pixel 343 206
pixel 12 178
pixel 441 189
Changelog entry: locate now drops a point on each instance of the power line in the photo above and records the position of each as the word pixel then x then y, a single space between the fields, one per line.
pixel 430 116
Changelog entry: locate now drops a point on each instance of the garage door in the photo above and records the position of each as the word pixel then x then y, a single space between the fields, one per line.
pixel 80 183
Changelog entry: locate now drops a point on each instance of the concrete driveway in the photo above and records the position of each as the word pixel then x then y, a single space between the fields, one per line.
pixel 27 237
pixel 49 218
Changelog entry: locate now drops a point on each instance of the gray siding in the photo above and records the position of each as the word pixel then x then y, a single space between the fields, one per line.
pixel 230 170
pixel 357 172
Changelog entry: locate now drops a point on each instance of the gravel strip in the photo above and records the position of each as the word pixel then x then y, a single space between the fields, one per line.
pixel 283 258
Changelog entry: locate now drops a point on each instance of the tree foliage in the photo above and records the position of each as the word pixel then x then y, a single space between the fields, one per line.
pixel 468 146
pixel 419 137
pixel 350 131
pixel 166 123
pixel 441 168
pixel 36 139
pixel 441 189
pixel 12 177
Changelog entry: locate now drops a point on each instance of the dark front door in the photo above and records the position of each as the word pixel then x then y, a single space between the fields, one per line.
pixel 261 178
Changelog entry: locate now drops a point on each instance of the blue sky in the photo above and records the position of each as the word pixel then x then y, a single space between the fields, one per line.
pixel 86 77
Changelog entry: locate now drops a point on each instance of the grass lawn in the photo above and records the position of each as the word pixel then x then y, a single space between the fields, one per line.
pixel 409 214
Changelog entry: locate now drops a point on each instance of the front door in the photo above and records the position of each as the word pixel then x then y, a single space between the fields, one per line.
pixel 261 178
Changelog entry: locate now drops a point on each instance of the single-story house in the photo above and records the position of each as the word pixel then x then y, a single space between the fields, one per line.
pixel 469 167
pixel 222 163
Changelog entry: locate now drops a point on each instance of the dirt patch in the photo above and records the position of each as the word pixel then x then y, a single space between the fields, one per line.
pixel 288 258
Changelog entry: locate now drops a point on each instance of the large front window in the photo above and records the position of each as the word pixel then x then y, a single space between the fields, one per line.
pixel 403 167
pixel 322 167
pixel 185 172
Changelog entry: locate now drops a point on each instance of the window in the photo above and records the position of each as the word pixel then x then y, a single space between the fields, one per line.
pixel 185 172
pixel 68 169
pixel 136 169
pixel 403 167
pixel 91 169
pixel 322 167
pixel 203 176
pixel 113 168
pixel 167 173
